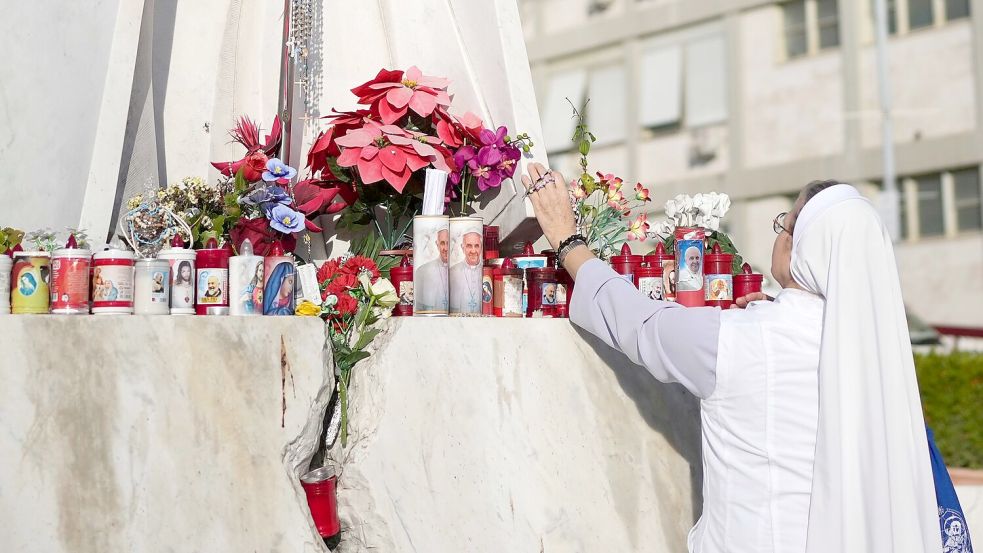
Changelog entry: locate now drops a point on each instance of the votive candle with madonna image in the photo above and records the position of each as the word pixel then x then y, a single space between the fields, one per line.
pixel 280 277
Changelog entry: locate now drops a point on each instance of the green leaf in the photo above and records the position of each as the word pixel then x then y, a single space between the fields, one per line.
pixel 240 183
pixel 366 338
pixel 343 397
pixel 338 171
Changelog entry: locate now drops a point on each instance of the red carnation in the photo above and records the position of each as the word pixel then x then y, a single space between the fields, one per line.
pixel 355 265
pixel 342 283
pixel 327 270
pixel 346 305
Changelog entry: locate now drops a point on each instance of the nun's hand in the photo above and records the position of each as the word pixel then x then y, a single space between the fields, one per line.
pixel 743 301
pixel 551 201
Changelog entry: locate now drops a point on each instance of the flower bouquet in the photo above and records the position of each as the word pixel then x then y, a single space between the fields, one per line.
pixel 368 163
pixel 703 211
pixel 602 205
pixel 9 239
pixel 355 298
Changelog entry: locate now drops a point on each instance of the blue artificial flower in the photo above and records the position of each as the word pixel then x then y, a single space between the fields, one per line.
pixel 279 195
pixel 285 220
pixel 278 171
pixel 266 194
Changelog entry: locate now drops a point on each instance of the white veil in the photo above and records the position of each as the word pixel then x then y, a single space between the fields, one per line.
pixel 872 487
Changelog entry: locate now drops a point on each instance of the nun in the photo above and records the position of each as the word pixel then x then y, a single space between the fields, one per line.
pixel 812 432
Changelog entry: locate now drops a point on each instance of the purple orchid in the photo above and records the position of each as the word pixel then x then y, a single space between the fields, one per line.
pixel 462 156
pixel 483 167
pixel 285 220
pixel 278 172
pixel 496 139
pixel 510 160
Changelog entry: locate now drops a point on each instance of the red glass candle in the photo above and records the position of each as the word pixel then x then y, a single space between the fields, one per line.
pixel 747 282
pixel 648 280
pixel 626 263
pixel 491 242
pixel 689 267
pixel 212 277
pixel 542 291
pixel 508 291
pixel 564 293
pixel 402 279
pixel 320 486
pixel 719 278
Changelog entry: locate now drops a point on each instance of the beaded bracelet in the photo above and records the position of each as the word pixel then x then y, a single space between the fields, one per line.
pixel 567 245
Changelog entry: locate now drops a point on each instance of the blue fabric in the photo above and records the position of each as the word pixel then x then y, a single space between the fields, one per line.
pixel 952 521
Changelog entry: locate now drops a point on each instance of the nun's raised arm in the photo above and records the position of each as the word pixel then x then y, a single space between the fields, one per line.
pixel 675 343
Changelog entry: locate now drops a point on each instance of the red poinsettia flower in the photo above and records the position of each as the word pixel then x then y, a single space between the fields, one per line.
pixel 386 152
pixel 315 196
pixel 453 131
pixel 391 94
pixel 324 146
pixel 358 264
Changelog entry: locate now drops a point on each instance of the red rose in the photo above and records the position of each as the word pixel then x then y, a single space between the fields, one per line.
pixel 255 164
pixel 346 304
pixel 258 232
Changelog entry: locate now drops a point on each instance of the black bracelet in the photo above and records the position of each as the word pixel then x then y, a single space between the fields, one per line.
pixel 569 239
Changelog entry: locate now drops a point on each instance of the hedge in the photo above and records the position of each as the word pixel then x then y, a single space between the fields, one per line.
pixel 952 396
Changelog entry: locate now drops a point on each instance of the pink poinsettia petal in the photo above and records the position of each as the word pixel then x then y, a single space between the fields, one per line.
pixel 392 130
pixel 423 103
pixel 390 114
pixel 393 158
pixel 415 163
pixel 440 163
pixel 384 86
pixel 369 152
pixel 357 138
pixel 413 74
pixel 400 140
pixel 396 179
pixel 370 171
pixel 471 121
pixel 434 82
pixel 443 98
pixel 399 97
pixel 349 157
pixel 424 149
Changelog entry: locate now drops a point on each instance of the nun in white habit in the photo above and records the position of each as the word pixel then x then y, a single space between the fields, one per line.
pixel 813 437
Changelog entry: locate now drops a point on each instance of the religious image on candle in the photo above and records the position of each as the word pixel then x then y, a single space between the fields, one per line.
pixel 250 288
pixel 466 263
pixel 690 265
pixel 212 285
pixel 431 255
pixel 278 297
pixel 182 285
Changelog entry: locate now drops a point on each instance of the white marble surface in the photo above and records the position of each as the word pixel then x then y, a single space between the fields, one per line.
pixel 492 435
pixel 157 433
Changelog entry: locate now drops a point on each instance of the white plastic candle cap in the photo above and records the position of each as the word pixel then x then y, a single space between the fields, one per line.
pixel 246 248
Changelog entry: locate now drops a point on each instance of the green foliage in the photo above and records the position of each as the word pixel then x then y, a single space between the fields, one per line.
pixel 10 237
pixel 952 397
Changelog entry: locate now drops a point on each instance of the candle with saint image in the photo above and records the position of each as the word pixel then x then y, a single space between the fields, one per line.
pixel 626 263
pixel 246 281
pixel 70 279
pixel 689 272
pixel 182 271
pixel 279 279
pixel 465 266
pixel 212 277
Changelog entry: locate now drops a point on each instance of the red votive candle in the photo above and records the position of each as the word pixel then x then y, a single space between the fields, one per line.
pixel 212 277
pixel 667 267
pixel 507 291
pixel 747 282
pixel 690 283
pixel 626 263
pixel 320 486
pixel 564 293
pixel 402 279
pixel 648 280
pixel 719 279
pixel 542 291
pixel 491 242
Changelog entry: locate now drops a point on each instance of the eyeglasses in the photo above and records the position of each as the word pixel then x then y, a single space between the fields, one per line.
pixel 778 225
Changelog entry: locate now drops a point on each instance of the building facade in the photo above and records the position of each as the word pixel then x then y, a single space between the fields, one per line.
pixel 757 98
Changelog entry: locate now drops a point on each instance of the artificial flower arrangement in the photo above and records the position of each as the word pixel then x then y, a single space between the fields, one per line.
pixel 603 205
pixel 369 162
pixel 355 298
pixel 703 211
pixel 10 238
pixel 197 203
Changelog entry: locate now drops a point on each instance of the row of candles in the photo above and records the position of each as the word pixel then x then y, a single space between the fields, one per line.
pixel 179 281
pixel 535 285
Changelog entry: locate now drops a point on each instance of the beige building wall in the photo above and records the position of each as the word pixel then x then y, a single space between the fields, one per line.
pixel 782 122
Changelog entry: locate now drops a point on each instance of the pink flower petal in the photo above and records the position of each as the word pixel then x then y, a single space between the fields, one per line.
pixel 349 157
pixel 397 179
pixel 399 97
pixel 424 149
pixel 423 104
pixel 434 82
pixel 369 152
pixel 443 98
pixel 400 140
pixel 393 158
pixel 356 138
pixel 415 163
pixel 390 114
pixel 413 74
pixel 440 163
pixel 384 86
pixel 471 121
pixel 370 171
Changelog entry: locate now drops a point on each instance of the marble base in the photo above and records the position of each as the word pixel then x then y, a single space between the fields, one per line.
pixel 125 433
pixel 492 435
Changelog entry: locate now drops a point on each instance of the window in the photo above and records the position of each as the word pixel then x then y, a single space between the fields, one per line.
pixel 604 87
pixel 810 26
pixel 558 121
pixel 941 204
pixel 930 210
pixel 683 81
pixel 920 14
pixel 969 212
pixel 796 32
pixel 902 210
pixel 910 15
pixel 606 103
pixel 956 9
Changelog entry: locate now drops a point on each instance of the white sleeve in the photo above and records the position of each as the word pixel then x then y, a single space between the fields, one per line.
pixel 675 343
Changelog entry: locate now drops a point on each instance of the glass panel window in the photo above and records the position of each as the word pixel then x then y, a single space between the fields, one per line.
pixel 796 38
pixel 969 215
pixel 955 9
pixel 930 211
pixel 920 14
pixel 902 210
pixel 829 23
pixel 892 16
